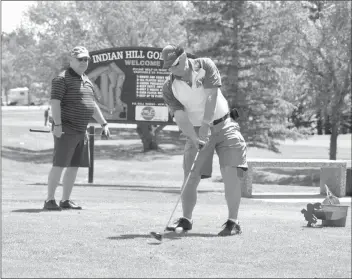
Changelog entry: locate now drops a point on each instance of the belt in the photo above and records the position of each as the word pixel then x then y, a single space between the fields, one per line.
pixel 217 121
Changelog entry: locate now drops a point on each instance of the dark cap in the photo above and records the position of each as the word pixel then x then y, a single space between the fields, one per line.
pixel 170 53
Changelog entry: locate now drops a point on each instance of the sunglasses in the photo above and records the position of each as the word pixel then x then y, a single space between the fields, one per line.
pixel 85 59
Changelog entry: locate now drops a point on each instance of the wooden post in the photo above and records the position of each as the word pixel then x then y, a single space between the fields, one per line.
pixel 91 157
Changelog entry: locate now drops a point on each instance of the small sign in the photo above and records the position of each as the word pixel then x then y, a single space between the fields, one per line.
pixel 152 113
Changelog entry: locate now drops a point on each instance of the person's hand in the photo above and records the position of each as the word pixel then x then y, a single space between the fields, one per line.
pixel 204 132
pixel 105 133
pixel 57 132
pixel 198 143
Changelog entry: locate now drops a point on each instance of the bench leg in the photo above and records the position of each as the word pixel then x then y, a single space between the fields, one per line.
pixel 335 179
pixel 246 183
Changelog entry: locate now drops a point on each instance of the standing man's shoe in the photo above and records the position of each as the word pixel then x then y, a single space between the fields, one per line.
pixel 51 205
pixel 230 227
pixel 68 204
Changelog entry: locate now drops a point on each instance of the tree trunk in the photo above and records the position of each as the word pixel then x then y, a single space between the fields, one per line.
pixel 7 95
pixel 147 132
pixel 236 97
pixel 149 135
pixel 333 141
pixel 327 125
pixel 319 123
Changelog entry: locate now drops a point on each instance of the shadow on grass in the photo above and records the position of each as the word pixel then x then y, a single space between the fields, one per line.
pixel 27 155
pixel 284 176
pixel 170 236
pixel 137 188
pixel 274 196
pixel 315 227
pixel 30 210
pixel 106 150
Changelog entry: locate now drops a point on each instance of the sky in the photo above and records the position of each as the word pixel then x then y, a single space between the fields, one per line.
pixel 11 14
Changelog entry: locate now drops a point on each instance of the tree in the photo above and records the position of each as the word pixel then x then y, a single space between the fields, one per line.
pixel 56 26
pixel 318 42
pixel 16 65
pixel 241 37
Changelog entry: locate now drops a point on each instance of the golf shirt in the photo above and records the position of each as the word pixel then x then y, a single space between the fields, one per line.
pixel 178 95
pixel 76 94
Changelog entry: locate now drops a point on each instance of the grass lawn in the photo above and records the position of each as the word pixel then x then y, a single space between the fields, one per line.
pixel 134 193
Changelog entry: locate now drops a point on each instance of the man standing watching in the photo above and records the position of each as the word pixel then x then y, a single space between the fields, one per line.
pixel 193 95
pixel 72 106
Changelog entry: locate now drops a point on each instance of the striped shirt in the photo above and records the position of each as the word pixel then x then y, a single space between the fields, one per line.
pixel 76 94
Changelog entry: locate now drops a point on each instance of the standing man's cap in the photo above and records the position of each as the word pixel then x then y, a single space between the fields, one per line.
pixel 79 52
pixel 170 53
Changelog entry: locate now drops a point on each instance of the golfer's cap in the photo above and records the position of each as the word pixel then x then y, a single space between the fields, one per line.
pixel 79 52
pixel 170 54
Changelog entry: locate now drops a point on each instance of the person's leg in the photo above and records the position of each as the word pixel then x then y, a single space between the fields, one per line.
pixel 68 182
pixel 232 190
pixel 61 156
pixel 53 181
pixel 64 148
pixel 231 149
pixel 202 169
pixel 71 172
pixel 189 197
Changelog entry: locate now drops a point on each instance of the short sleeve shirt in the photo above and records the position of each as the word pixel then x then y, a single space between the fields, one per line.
pixel 210 80
pixel 76 94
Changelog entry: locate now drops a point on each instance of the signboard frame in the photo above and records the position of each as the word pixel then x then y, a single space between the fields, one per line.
pixel 128 84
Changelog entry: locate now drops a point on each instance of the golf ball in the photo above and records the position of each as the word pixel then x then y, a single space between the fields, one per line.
pixel 179 230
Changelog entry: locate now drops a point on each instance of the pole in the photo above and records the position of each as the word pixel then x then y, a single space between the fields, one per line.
pixel 91 151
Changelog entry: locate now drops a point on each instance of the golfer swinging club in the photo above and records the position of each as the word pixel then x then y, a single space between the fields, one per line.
pixel 193 96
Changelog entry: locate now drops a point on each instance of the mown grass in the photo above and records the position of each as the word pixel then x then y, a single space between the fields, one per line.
pixel 134 193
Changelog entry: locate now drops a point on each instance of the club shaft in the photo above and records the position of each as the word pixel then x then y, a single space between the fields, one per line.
pixel 39 131
pixel 183 187
pixel 47 131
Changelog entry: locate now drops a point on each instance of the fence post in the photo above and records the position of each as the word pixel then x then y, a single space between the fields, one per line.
pixel 91 151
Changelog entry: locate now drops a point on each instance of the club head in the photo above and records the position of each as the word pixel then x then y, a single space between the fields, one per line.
pixel 157 236
pixel 169 229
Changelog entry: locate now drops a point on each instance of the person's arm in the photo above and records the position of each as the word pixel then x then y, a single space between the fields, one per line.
pixel 56 111
pixel 98 116
pixel 185 125
pixel 58 90
pixel 176 110
pixel 210 105
pixel 212 81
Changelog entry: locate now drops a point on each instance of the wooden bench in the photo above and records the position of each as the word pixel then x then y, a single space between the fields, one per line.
pixel 332 173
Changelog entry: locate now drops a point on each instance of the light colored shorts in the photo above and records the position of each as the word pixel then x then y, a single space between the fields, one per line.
pixel 228 143
pixel 70 149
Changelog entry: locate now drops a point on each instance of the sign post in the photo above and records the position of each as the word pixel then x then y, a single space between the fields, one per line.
pixel 91 132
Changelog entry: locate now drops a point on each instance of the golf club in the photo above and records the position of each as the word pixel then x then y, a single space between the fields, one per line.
pixel 49 131
pixel 39 131
pixel 159 236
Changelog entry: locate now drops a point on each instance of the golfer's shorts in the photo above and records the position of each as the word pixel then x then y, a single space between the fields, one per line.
pixel 228 143
pixel 69 148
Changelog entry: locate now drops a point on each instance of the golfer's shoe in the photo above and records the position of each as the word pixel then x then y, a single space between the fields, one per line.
pixel 51 205
pixel 68 204
pixel 230 228
pixel 181 222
